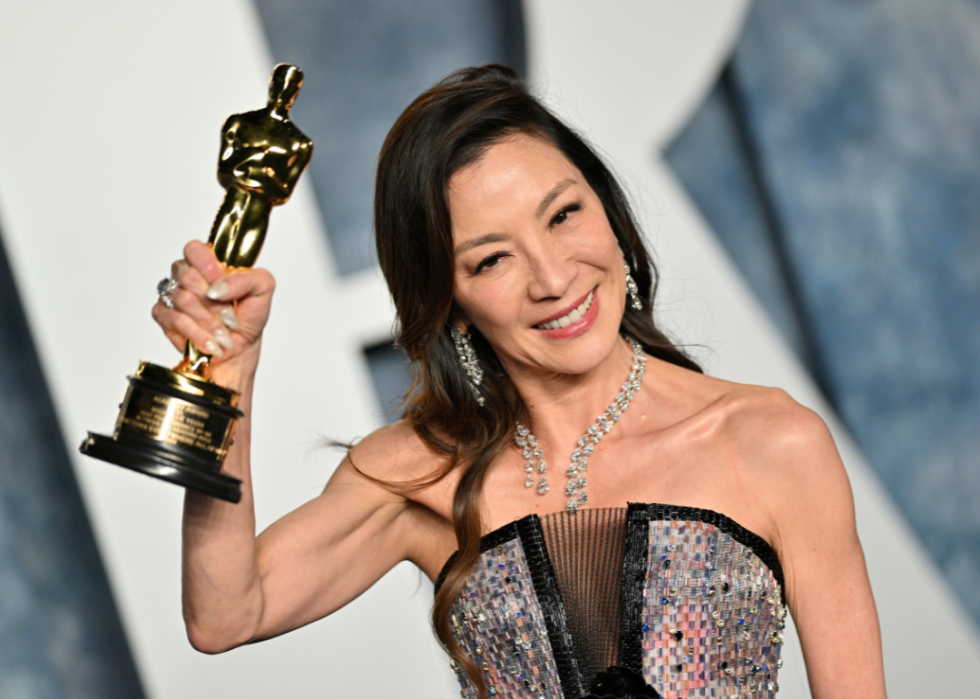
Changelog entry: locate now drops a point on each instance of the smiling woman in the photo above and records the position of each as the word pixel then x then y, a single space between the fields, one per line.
pixel 524 295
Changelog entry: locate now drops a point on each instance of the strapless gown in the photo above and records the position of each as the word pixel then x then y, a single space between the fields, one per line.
pixel 685 597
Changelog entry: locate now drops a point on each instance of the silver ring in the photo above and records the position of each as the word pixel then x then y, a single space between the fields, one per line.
pixel 166 289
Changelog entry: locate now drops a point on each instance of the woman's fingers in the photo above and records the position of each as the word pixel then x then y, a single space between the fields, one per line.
pixel 176 267
pixel 191 316
pixel 201 257
pixel 201 273
pixel 242 300
pixel 162 315
pixel 191 279
pixel 190 319
pixel 241 284
pixel 228 317
pixel 207 318
pixel 221 312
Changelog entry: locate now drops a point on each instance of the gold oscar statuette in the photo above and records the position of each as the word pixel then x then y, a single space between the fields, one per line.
pixel 176 424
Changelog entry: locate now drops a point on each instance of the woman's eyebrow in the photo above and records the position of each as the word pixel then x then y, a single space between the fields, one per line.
pixel 480 240
pixel 552 195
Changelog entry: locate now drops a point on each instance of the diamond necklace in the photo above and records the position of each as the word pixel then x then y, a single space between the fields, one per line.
pixel 575 488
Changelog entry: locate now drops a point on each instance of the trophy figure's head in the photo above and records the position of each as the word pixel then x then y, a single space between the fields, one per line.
pixel 286 81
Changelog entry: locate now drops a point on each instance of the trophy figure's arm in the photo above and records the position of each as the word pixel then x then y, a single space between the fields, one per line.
pixel 270 172
pixel 298 159
pixel 248 169
pixel 260 174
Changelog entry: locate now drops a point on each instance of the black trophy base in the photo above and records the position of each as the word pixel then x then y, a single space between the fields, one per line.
pixel 157 460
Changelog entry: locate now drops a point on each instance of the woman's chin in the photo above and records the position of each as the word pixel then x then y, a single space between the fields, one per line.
pixel 587 353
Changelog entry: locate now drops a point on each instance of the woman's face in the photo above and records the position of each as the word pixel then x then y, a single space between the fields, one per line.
pixel 538 268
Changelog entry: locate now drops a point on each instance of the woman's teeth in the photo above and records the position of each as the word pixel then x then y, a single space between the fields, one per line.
pixel 566 320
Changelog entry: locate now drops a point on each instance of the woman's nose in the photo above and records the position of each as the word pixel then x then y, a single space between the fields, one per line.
pixel 551 274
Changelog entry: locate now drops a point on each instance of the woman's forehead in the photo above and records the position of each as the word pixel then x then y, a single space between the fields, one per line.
pixel 518 169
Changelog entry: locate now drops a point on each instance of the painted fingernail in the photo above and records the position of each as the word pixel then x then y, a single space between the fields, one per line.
pixel 218 290
pixel 223 338
pixel 229 318
pixel 211 348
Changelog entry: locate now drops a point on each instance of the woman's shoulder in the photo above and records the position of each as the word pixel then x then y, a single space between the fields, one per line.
pixel 776 458
pixel 765 423
pixel 762 428
pixel 394 453
pixel 783 451
pixel 397 459
pixel 394 466
pixel 763 408
pixel 740 413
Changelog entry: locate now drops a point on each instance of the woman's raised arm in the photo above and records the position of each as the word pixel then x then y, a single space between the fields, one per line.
pixel 237 587
pixel 240 588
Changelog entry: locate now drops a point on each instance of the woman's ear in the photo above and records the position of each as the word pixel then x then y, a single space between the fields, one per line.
pixel 459 319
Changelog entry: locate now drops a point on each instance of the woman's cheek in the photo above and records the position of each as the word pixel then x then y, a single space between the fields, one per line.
pixel 497 303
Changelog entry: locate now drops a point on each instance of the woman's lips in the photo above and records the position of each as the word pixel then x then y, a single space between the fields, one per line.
pixel 579 326
pixel 584 301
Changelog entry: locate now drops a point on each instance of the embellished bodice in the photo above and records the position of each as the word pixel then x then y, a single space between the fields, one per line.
pixel 684 596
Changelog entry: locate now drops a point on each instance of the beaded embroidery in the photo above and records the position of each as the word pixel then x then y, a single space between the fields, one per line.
pixel 702 610
pixel 712 617
pixel 498 619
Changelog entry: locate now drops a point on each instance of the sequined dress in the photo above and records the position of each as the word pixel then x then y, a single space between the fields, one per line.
pixel 685 596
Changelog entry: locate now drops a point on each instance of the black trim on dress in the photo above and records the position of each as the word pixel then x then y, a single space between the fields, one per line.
pixel 550 601
pixel 528 531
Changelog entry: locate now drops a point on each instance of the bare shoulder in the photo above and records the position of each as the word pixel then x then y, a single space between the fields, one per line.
pixel 769 422
pixel 396 459
pixel 785 456
pixel 392 453
pixel 760 426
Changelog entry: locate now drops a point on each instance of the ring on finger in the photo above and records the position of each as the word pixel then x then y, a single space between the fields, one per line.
pixel 165 291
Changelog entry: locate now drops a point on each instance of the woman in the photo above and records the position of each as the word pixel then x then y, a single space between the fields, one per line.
pixel 524 298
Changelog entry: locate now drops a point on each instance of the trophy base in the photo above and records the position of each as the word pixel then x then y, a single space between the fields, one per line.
pixel 157 461
pixel 174 426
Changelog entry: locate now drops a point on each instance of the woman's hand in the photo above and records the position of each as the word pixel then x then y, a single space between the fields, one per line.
pixel 223 314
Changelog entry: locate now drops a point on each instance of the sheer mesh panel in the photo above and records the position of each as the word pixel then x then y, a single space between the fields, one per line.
pixel 586 549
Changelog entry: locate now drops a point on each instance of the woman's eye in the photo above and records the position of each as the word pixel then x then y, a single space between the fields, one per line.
pixel 563 213
pixel 489 262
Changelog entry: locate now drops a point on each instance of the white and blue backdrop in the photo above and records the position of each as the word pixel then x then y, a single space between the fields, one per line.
pixel 808 174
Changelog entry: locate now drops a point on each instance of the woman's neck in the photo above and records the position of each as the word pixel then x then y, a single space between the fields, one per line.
pixel 562 406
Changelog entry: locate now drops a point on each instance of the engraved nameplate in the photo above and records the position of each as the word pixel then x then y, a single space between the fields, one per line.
pixel 175 421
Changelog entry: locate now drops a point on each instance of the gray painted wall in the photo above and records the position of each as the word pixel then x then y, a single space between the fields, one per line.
pixel 60 634
pixel 839 161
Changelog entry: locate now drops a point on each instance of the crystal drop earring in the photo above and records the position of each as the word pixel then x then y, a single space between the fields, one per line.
pixel 632 290
pixel 469 362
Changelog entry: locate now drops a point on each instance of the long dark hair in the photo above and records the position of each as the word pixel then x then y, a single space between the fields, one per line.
pixel 446 128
